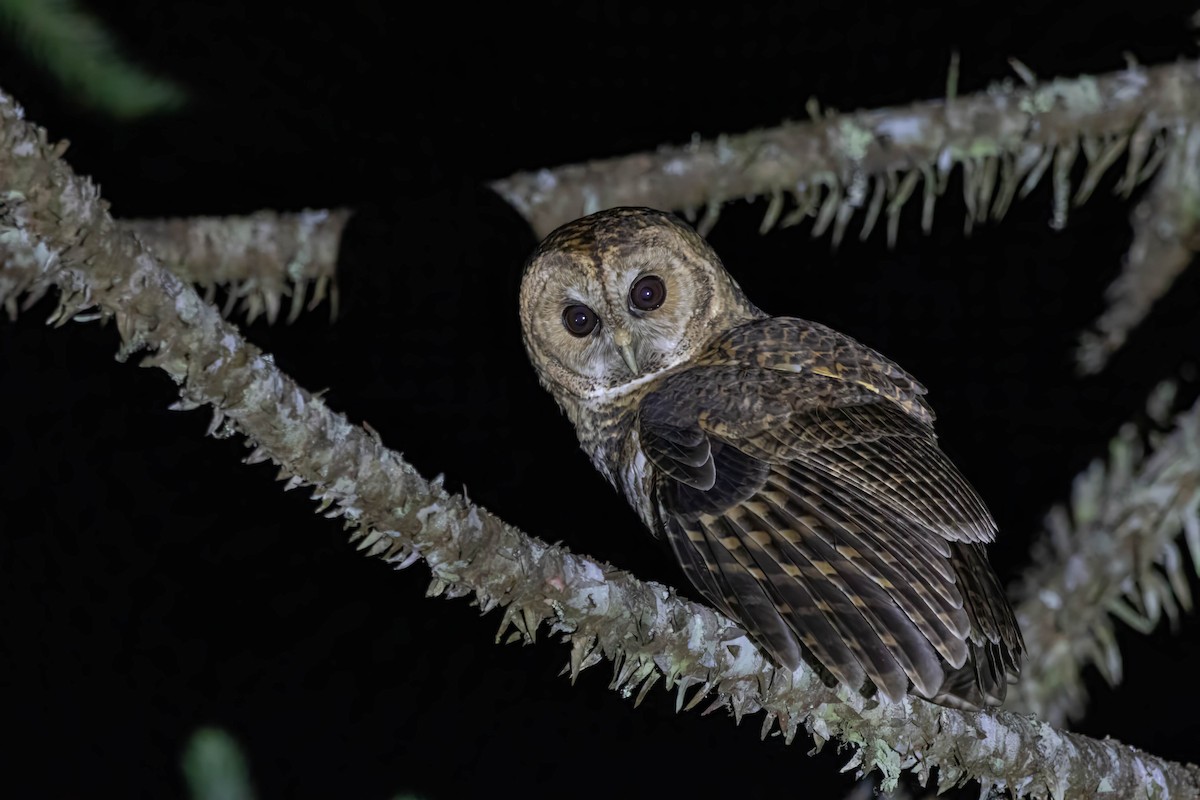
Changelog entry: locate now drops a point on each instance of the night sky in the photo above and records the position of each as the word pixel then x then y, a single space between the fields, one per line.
pixel 152 583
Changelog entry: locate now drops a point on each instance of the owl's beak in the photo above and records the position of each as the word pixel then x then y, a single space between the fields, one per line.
pixel 624 343
pixel 628 357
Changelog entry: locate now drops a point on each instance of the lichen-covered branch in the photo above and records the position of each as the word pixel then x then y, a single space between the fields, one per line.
pixel 1166 235
pixel 1115 551
pixel 54 229
pixel 262 258
pixel 1006 139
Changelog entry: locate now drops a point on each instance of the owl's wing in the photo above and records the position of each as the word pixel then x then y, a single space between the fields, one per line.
pixel 793 345
pixel 819 512
pixel 783 389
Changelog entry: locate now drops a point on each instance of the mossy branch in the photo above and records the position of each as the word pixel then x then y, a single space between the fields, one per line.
pixel 258 260
pixel 1006 139
pixel 261 258
pixel 1166 237
pixel 55 229
pixel 1114 550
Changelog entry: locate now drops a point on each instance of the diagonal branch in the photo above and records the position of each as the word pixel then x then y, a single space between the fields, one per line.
pixel 1166 236
pixel 1114 551
pixel 54 229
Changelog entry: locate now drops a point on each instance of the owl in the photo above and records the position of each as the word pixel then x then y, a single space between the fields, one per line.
pixel 793 472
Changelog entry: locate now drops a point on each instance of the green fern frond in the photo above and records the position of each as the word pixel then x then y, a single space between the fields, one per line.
pixel 215 768
pixel 74 47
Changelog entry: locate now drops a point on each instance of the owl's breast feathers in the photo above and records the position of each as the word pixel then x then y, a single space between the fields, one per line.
pixel 796 475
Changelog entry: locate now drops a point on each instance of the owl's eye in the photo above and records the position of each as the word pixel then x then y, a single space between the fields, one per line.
pixel 648 293
pixel 580 320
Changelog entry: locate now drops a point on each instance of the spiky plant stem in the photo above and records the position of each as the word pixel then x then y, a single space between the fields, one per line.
pixel 55 229
pixel 1114 551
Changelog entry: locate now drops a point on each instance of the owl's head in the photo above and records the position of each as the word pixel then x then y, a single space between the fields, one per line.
pixel 620 295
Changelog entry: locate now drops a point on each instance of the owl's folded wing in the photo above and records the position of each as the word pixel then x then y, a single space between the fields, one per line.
pixel 832 520
pixel 885 454
pixel 800 346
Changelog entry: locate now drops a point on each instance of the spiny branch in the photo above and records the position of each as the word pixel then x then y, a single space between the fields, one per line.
pixel 1006 139
pixel 55 229
pixel 262 258
pixel 1166 236
pixel 258 259
pixel 1114 551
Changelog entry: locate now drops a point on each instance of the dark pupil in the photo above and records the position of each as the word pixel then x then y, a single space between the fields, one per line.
pixel 648 293
pixel 580 320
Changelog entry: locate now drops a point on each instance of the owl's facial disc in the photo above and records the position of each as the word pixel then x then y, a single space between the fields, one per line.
pixel 600 326
pixel 632 324
pixel 610 300
pixel 645 295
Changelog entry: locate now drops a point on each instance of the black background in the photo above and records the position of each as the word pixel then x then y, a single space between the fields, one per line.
pixel 151 583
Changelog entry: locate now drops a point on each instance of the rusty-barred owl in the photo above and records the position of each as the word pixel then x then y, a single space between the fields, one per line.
pixel 793 471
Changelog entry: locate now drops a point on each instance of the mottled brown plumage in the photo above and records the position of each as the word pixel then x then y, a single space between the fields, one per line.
pixel 793 471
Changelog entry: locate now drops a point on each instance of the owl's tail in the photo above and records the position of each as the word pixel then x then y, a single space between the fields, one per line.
pixel 995 645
